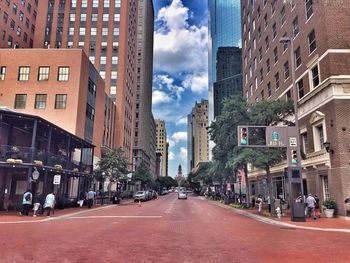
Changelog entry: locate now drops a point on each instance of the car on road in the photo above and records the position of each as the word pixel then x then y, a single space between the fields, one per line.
pixel 140 195
pixel 182 195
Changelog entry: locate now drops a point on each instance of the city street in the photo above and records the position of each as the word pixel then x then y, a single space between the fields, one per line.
pixel 165 230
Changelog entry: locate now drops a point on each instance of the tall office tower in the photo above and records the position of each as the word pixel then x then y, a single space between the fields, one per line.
pixel 143 109
pixel 153 147
pixel 162 145
pixel 229 80
pixel 224 31
pixel 17 23
pixel 320 35
pixel 197 136
pixel 107 31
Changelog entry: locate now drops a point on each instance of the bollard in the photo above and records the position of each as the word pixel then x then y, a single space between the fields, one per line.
pixel 278 211
pixel 140 203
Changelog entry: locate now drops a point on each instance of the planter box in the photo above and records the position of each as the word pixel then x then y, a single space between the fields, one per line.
pixel 329 213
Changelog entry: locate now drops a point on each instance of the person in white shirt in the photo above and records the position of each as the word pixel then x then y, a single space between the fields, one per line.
pixel 49 203
pixel 311 202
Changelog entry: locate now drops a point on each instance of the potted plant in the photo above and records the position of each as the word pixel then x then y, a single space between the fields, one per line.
pixel 58 166
pixel 75 170
pixel 330 205
pixel 38 163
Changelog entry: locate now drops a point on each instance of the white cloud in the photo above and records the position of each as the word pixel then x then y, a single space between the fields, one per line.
pixel 166 84
pixel 159 96
pixel 182 121
pixel 179 46
pixel 197 82
pixel 179 136
pixel 171 143
pixel 183 153
pixel 171 156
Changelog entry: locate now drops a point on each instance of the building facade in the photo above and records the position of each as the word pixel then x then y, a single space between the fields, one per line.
pixel 143 111
pixel 153 148
pixel 18 23
pixel 322 84
pixel 162 145
pixel 229 80
pixel 61 86
pixel 107 31
pixel 224 31
pixel 197 135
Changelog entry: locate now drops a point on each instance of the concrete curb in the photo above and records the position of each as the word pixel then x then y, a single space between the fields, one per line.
pixel 277 223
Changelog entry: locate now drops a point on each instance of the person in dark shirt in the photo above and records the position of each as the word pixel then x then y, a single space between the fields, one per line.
pixel 37 201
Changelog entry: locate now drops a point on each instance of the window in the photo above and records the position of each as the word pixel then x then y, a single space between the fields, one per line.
pixel 63 74
pixel 273 6
pixel 116 17
pixel 115 31
pixel 326 194
pixel 90 112
pixel 29 8
pixel 20 101
pixel 295 27
pixel 40 101
pixel 23 73
pixel 312 41
pixel 297 57
pixel 84 3
pixel 117 3
pixel 275 54
pixel 265 21
pixel 283 15
pixel 95 3
pixel 104 31
pixel 23 2
pixel 260 53
pixel 9 40
pixel 82 31
pixel 12 24
pixel 113 90
pixel 25 37
pixel 315 76
pixel 286 70
pixel 277 80
pixel 83 17
pixel 14 8
pixel 267 42
pixel 71 31
pixel 5 17
pixel 261 74
pixel 114 60
pixel 43 73
pixel 319 137
pixel 285 45
pixel 21 16
pixel 269 91
pixel 262 94
pixel 300 88
pixel 94 17
pixel 2 73
pixel 309 10
pixel 103 60
pixel 305 143
pixel 274 30
pixel 27 23
pixel 106 3
pixel 105 17
pixel 268 65
pixel 60 101
pixel 259 32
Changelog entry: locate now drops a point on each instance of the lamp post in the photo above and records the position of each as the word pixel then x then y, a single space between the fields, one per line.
pixel 35 176
pixel 239 177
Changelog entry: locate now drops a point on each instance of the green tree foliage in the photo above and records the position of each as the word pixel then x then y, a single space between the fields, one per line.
pixel 143 175
pixel 113 165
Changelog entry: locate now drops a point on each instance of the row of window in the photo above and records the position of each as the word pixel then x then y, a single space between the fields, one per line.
pixel 40 101
pixel 94 17
pixel 84 3
pixel 93 32
pixel 43 73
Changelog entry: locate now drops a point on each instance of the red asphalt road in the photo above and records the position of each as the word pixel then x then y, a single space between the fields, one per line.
pixel 167 230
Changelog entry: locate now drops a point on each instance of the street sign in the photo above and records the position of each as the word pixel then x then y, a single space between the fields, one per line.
pixel 276 136
pixel 292 141
pixel 57 179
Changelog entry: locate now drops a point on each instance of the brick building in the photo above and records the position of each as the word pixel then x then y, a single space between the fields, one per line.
pixel 61 86
pixel 320 33
pixel 162 146
pixel 18 23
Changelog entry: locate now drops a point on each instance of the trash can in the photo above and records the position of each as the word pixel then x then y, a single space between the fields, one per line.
pixel 298 212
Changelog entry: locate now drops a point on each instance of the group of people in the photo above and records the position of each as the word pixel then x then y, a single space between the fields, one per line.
pixel 38 203
pixel 89 197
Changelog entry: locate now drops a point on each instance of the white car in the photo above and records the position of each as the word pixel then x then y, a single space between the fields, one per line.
pixel 182 195
pixel 140 195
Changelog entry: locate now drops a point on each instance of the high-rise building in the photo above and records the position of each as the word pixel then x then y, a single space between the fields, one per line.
pixel 322 79
pixel 224 31
pixel 18 23
pixel 228 76
pixel 162 145
pixel 197 136
pixel 107 31
pixel 143 110
pixel 153 147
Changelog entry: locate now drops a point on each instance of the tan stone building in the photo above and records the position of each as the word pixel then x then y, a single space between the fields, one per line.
pixel 320 33
pixel 197 135
pixel 162 146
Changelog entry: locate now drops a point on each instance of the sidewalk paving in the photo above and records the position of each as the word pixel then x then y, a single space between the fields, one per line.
pixel 339 224
pixel 14 217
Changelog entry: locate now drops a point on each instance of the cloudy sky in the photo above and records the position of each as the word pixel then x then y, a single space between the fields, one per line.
pixel 180 69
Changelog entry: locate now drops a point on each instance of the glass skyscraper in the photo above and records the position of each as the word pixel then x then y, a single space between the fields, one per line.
pixel 224 31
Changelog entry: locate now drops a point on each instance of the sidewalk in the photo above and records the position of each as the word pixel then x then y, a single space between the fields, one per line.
pixel 321 224
pixel 14 217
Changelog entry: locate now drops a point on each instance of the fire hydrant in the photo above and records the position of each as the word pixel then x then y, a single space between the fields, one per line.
pixel 278 211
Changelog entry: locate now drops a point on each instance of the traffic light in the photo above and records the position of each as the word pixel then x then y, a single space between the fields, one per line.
pixel 294 157
pixel 244 136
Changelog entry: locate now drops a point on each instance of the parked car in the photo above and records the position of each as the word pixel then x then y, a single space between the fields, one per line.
pixel 154 194
pixel 140 195
pixel 182 195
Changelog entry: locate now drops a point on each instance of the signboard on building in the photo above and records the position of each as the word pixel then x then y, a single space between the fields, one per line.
pixel 57 179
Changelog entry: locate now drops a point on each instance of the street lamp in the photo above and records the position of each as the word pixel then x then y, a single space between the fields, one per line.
pixel 35 174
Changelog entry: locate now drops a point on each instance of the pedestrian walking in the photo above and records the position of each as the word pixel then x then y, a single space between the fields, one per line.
pixel 317 206
pixel 311 202
pixel 26 203
pixel 82 197
pixel 268 200
pixel 259 201
pixel 90 198
pixel 49 203
pixel 38 201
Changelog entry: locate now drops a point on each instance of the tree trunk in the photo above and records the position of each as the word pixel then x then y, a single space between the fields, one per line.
pixel 245 169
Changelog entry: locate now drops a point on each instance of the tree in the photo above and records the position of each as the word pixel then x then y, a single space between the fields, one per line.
pixel 143 175
pixel 112 166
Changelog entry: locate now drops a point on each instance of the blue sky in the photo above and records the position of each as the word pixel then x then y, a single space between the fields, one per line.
pixel 180 69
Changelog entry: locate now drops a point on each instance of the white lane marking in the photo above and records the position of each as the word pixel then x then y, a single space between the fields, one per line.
pixel 171 206
pixel 94 217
